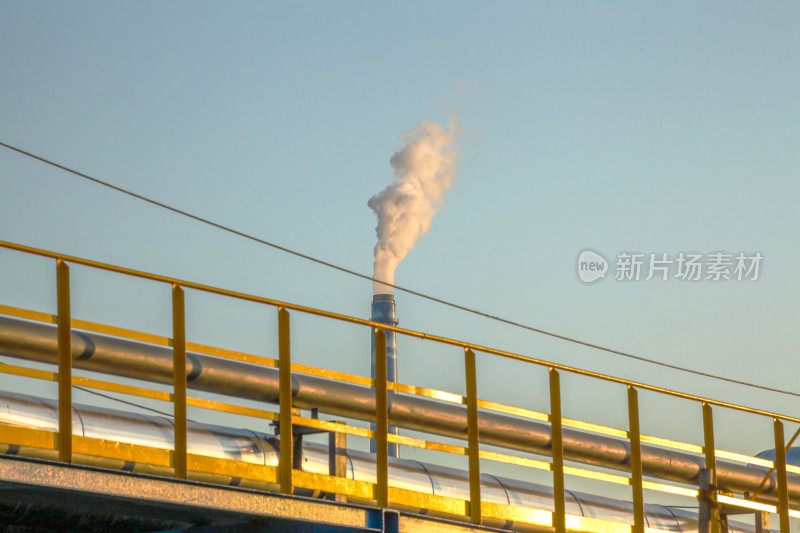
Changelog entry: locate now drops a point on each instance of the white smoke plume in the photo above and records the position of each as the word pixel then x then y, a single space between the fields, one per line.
pixel 424 169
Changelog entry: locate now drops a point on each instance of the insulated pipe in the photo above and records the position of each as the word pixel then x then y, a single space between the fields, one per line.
pixel 263 449
pixel 35 341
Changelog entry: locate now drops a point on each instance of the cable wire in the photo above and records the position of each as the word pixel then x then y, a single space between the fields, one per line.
pixel 138 406
pixel 397 287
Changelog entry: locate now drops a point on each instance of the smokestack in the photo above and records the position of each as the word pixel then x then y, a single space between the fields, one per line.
pixel 424 169
pixel 383 311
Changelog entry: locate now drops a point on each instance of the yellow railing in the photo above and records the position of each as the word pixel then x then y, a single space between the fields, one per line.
pixel 285 478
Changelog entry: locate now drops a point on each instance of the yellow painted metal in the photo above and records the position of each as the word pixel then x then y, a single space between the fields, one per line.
pixel 756 506
pixel 232 468
pixel 596 428
pixel 121 388
pixel 427 445
pixel 421 500
pixel 333 426
pixel 595 525
pixel 230 408
pixel 789 468
pixel 747 504
pixel 64 364
pixel 141 454
pixel 428 393
pixel 708 439
pixel 594 474
pixel 120 332
pixel 511 410
pixel 410 333
pixel 515 460
pixel 380 491
pixel 285 398
pixel 746 459
pixel 29 372
pixel 636 460
pixel 667 443
pixel 399 439
pixel 337 461
pixel 359 431
pixel 381 421
pixel 332 374
pixel 265 361
pixel 30 315
pixel 623 480
pixel 123 451
pixel 473 438
pixel 179 380
pixel 36 438
pixel 671 489
pixel 780 471
pixel 559 515
pixel 314 481
pixel 231 354
pixel 250 358
pixel 513 513
pixel 338 485
pixel 711 464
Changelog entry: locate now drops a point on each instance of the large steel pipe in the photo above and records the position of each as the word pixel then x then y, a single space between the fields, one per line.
pixel 263 449
pixel 37 342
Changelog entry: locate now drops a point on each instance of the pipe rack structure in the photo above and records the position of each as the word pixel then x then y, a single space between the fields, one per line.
pixel 109 355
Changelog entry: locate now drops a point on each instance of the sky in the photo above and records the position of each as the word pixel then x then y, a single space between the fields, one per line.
pixel 620 127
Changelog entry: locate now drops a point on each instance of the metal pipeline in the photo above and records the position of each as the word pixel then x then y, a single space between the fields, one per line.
pixel 260 448
pixel 37 342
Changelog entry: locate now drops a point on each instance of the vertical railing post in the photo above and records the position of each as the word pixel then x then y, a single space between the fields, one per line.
pixel 636 460
pixel 473 438
pixel 780 472
pixel 711 464
pixel 381 421
pixel 337 457
pixel 64 364
pixel 179 380
pixel 557 445
pixel 285 399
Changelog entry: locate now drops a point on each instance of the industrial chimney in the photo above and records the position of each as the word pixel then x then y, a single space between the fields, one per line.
pixel 383 312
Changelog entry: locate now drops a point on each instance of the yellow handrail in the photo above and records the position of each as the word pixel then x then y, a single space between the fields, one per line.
pixel 407 332
pixel 287 476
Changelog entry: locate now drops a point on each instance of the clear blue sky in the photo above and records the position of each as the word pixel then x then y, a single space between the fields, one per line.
pixel 620 126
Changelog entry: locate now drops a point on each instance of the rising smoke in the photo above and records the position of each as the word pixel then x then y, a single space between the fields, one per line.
pixel 424 169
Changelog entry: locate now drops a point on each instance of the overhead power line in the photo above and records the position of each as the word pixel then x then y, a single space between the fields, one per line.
pixel 397 287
